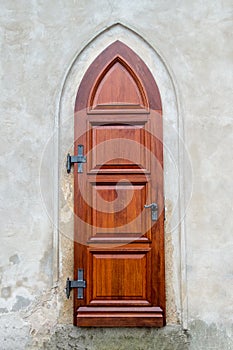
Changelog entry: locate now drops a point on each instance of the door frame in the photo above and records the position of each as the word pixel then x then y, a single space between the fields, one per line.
pixel 63 138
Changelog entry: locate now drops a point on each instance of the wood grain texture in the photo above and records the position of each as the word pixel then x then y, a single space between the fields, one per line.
pixel 118 119
pixel 116 88
pixel 120 317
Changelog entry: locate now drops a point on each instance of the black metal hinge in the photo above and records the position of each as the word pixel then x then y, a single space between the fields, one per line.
pixel 80 159
pixel 79 283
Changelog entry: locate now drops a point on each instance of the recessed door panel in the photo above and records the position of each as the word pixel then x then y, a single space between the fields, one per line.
pixel 126 266
pixel 117 208
pixel 119 148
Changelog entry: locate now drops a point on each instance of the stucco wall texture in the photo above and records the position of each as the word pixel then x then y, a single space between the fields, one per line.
pixel 39 41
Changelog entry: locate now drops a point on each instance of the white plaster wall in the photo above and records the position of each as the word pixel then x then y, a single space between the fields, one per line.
pixel 39 40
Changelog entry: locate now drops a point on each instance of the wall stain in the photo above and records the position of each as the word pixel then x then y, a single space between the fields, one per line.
pixel 6 292
pixel 21 303
pixel 14 259
pixel 171 309
pixel 3 310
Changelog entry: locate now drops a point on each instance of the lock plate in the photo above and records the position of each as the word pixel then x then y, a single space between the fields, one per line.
pixel 154 210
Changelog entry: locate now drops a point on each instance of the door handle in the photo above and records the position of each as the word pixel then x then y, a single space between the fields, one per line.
pixel 154 210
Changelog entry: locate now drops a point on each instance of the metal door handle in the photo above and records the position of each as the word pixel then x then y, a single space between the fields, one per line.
pixel 154 210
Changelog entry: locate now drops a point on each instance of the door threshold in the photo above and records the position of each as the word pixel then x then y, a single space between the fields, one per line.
pixel 149 316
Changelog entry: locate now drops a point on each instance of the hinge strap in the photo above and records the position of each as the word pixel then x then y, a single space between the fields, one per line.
pixel 79 283
pixel 80 159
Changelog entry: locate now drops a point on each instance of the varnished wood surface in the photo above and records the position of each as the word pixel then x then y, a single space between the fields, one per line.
pixel 120 317
pixel 118 119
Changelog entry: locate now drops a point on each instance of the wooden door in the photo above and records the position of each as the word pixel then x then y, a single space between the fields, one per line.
pixel 118 120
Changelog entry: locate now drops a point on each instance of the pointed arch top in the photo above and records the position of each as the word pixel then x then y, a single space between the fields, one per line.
pixel 119 63
pixel 117 75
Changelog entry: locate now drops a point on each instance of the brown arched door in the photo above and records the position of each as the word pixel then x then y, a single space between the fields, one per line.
pixel 119 244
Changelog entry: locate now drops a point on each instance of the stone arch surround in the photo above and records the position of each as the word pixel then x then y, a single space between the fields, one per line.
pixel 174 155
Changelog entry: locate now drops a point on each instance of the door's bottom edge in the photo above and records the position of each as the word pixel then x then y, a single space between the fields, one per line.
pixel 130 317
